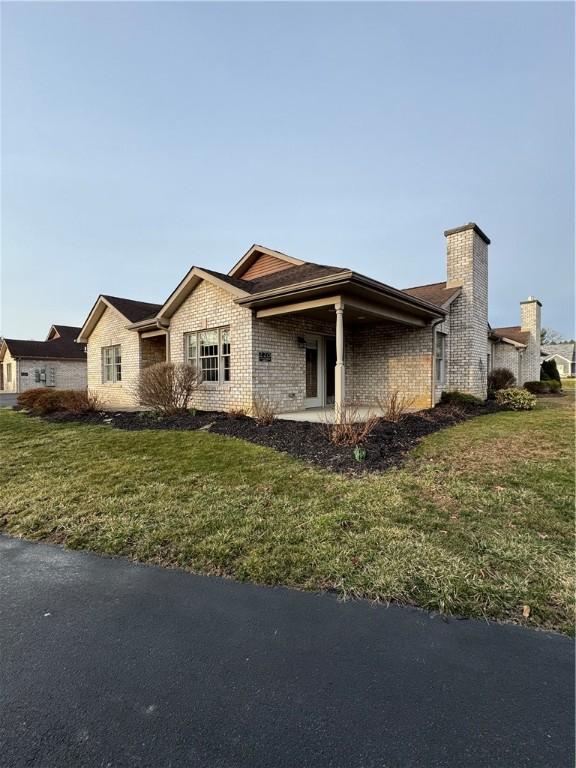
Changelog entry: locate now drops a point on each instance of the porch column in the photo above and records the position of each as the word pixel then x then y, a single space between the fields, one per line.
pixel 339 377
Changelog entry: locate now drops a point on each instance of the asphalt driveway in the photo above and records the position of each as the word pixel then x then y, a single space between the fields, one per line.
pixel 107 663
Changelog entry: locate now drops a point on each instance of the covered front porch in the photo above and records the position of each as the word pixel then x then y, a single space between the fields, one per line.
pixel 332 350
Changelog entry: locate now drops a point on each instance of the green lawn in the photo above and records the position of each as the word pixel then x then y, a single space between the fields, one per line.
pixel 479 522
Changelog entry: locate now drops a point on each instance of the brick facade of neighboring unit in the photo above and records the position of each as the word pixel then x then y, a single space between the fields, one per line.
pixel 29 374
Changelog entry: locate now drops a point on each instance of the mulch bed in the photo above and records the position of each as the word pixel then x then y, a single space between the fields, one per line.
pixel 385 447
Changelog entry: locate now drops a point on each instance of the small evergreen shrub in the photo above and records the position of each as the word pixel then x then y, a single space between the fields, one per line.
pixel 537 387
pixel 455 397
pixel 549 370
pixel 516 399
pixel 500 378
pixel 554 385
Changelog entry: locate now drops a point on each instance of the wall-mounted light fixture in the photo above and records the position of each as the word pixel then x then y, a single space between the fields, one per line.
pixel 301 342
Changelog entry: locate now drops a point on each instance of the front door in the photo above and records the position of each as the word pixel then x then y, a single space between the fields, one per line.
pixel 314 371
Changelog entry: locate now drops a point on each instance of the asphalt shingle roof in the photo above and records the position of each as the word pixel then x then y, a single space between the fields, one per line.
pixel 134 310
pixel 434 293
pixel 64 348
pixel 513 332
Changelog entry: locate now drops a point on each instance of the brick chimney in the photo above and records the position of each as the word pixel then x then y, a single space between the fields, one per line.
pixel 530 322
pixel 467 266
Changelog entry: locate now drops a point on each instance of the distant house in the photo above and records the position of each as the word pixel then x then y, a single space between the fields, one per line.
pixel 309 336
pixel 517 347
pixel 564 355
pixel 59 361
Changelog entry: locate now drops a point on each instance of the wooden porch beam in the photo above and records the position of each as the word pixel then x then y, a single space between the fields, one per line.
pixel 300 306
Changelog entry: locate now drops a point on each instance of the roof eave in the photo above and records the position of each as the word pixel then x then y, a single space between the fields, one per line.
pixel 339 281
pixel 191 279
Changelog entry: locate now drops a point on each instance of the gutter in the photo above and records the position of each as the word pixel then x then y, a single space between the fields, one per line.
pixel 338 279
pixel 154 322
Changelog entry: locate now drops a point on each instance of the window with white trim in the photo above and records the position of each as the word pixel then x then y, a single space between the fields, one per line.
pixel 9 373
pixel 440 357
pixel 209 351
pixel 111 364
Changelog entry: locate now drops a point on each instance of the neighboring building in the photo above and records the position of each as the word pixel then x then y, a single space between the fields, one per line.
pixel 303 335
pixel 57 362
pixel 564 355
pixel 517 347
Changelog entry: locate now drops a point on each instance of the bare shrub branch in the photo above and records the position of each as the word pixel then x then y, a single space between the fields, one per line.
pixel 349 427
pixel 167 387
pixel 264 411
pixel 395 405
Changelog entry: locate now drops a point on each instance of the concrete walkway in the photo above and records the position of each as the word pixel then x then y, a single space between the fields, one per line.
pixel 107 663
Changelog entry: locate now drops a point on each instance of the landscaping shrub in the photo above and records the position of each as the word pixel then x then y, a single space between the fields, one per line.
pixel 28 398
pixel 549 370
pixel 554 385
pixel 516 399
pixel 537 387
pixel 41 401
pixel 455 397
pixel 395 406
pixel 350 428
pixel 500 378
pixel 264 411
pixel 167 387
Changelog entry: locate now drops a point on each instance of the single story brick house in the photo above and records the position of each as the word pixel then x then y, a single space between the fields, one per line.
pixel 517 347
pixel 59 361
pixel 308 336
pixel 565 356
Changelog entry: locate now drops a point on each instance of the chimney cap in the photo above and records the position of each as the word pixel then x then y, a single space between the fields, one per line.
pixel 464 227
pixel 532 300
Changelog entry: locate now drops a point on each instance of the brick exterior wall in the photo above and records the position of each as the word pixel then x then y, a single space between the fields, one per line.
pixel 531 322
pixel 467 266
pixel 209 306
pixel 111 329
pixel 508 356
pixel 386 358
pixel 68 374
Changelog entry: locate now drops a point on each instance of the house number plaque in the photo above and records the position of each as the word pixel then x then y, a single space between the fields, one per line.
pixel 264 357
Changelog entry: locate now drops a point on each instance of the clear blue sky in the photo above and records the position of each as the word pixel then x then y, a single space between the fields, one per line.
pixel 142 138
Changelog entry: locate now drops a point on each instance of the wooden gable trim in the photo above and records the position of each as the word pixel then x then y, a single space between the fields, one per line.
pixel 265 265
pixel 254 253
